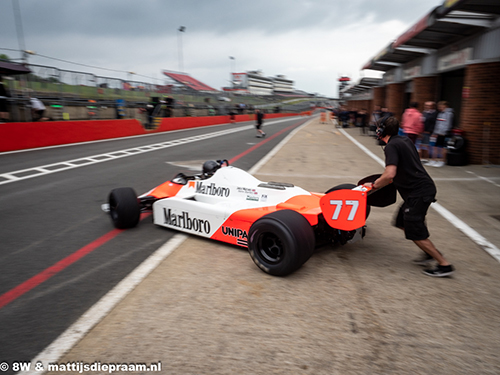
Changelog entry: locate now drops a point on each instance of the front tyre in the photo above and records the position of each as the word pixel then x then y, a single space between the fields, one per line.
pixel 124 208
pixel 281 242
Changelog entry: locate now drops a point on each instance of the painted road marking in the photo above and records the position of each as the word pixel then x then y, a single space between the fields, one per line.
pixel 452 219
pixel 53 352
pixel 43 170
pixel 70 337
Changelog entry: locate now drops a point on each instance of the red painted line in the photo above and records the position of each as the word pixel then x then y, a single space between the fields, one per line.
pixel 46 274
pixel 254 147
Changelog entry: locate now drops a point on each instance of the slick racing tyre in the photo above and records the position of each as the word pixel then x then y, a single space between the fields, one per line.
pixel 349 187
pixel 124 208
pixel 281 242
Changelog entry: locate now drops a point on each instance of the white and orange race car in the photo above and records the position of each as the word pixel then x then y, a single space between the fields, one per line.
pixel 279 223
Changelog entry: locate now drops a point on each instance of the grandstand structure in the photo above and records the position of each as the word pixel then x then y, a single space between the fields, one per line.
pixel 189 82
pixel 255 83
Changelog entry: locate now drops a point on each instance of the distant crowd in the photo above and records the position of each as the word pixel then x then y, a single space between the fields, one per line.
pixel 428 129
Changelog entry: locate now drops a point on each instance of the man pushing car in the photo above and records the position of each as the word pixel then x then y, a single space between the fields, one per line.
pixel 416 187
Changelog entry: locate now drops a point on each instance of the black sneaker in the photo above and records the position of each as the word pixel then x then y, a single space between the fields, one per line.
pixel 440 271
pixel 424 260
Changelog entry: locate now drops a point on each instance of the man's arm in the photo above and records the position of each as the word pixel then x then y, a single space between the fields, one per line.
pixel 385 179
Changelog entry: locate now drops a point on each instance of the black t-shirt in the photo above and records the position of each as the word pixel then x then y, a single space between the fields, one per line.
pixel 411 180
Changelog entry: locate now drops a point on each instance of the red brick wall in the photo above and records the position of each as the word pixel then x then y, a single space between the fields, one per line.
pixel 378 97
pixel 424 90
pixel 481 112
pixel 359 104
pixel 394 98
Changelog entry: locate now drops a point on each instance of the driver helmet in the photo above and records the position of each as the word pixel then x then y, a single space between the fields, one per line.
pixel 210 166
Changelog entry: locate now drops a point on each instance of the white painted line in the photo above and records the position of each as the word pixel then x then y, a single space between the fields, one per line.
pixel 452 219
pixel 70 337
pixel 468 231
pixel 485 178
pixel 134 136
pixel 368 152
pixel 101 158
pixel 275 150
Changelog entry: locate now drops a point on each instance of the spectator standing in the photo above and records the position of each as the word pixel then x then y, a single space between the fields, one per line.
pixel 375 117
pixel 384 114
pixel 444 123
pixel 352 116
pixel 4 94
pixel 429 117
pixel 363 119
pixel 344 117
pixel 259 116
pixel 412 122
pixel 37 110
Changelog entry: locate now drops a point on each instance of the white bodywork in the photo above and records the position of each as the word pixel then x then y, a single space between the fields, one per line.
pixel 202 206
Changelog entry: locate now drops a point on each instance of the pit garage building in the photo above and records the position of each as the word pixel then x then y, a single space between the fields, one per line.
pixel 453 54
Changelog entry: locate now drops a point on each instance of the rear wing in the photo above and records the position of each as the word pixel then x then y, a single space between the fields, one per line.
pixel 346 209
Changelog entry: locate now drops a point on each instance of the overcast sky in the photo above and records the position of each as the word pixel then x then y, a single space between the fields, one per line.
pixel 312 42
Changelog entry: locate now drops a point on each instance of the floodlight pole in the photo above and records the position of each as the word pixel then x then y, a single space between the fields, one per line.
pixel 179 41
pixel 232 63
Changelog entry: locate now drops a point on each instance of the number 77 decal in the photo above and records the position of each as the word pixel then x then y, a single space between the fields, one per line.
pixel 338 206
pixel 344 209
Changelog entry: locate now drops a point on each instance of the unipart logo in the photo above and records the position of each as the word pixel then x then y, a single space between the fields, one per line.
pixel 235 232
pixel 240 235
pixel 212 189
pixel 183 221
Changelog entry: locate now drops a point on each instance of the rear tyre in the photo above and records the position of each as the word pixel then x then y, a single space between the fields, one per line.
pixel 124 208
pixel 281 242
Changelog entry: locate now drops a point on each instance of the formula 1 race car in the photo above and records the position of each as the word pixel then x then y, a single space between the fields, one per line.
pixel 279 223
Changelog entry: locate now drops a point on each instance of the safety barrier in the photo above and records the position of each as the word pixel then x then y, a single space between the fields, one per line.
pixel 25 135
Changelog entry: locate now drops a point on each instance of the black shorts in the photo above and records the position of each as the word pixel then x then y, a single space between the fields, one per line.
pixel 258 126
pixel 440 141
pixel 411 217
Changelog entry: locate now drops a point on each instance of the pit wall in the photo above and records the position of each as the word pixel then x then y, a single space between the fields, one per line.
pixel 25 135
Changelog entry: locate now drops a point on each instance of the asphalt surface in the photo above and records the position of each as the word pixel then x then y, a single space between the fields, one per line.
pixel 59 252
pixel 362 308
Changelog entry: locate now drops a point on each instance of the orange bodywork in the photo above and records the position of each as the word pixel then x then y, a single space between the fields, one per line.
pixel 235 228
pixel 165 190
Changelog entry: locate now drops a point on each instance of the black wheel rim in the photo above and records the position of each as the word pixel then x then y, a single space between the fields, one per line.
pixel 270 247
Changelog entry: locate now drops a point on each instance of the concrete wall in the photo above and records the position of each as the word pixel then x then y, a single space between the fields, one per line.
pixel 25 135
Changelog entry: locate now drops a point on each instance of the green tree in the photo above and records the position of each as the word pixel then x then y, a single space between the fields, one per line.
pixel 4 57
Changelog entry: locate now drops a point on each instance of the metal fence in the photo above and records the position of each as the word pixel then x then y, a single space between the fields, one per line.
pixel 97 96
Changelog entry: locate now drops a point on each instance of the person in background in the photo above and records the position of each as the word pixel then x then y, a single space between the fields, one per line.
pixel 384 114
pixel 344 117
pixel 259 116
pixel 362 120
pixel 429 117
pixel 412 122
pixel 444 123
pixel 375 117
pixel 37 110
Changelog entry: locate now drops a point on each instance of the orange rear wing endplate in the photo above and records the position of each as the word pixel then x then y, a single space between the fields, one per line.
pixel 345 209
